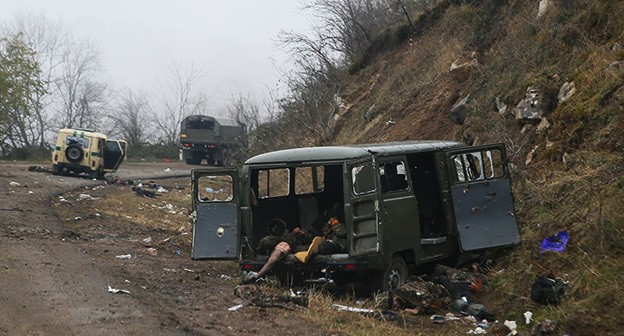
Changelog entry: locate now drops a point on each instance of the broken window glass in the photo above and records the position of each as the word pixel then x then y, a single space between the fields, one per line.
pixel 392 176
pixel 74 140
pixel 363 179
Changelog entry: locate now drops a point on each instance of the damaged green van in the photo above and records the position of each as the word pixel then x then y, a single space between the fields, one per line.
pixel 403 204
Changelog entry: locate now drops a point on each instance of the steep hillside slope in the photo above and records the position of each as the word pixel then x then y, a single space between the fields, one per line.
pixel 546 78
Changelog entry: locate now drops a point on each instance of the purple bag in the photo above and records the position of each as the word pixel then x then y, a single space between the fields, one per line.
pixel 555 243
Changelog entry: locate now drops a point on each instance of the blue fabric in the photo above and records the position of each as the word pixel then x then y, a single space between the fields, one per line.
pixel 555 243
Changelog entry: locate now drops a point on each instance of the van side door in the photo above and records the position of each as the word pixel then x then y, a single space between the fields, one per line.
pixel 362 210
pixel 481 197
pixel 216 214
pixel 114 153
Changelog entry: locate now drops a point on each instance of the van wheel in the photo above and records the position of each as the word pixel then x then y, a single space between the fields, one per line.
pixel 74 153
pixel 393 277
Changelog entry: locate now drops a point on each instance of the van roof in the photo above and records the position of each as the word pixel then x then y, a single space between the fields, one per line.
pixel 82 132
pixel 336 153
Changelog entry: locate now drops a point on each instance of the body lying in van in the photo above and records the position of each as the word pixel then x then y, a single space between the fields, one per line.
pixel 404 204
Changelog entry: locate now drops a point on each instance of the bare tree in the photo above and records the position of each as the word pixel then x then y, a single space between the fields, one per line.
pixel 351 25
pixel 131 117
pixel 179 100
pixel 81 98
pixel 245 111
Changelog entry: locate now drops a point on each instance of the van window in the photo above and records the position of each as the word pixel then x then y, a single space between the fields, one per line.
pixel 363 179
pixel 392 176
pixel 478 165
pixel 309 180
pixel 215 188
pixel 74 140
pixel 273 182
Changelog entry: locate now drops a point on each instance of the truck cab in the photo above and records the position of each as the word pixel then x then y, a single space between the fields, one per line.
pixel 403 205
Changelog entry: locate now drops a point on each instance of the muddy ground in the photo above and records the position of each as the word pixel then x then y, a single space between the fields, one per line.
pixel 59 255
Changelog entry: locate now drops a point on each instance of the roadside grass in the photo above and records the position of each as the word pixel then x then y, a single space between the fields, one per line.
pixel 585 198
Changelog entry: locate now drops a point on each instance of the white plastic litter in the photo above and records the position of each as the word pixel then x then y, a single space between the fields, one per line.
pixel 86 197
pixel 14 184
pixel 510 324
pixel 237 307
pixel 124 256
pixel 353 309
pixel 115 290
pixel 147 240
pixel 528 316
pixel 477 331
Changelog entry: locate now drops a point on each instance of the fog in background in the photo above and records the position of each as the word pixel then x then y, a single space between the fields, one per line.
pixel 230 42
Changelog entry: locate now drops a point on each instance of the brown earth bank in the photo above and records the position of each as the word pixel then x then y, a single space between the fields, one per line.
pixel 58 259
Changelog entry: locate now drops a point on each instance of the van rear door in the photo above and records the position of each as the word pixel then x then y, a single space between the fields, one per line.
pixel 362 213
pixel 216 221
pixel 481 197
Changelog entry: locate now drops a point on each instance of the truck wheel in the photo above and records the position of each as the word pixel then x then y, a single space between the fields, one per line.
pixel 393 277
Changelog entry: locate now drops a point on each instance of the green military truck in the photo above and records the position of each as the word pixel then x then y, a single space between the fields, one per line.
pixel 404 205
pixel 210 138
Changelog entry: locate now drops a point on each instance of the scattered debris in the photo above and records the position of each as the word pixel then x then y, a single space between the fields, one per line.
pixel 225 277
pixel 147 240
pixel 167 170
pixel 14 184
pixel 237 307
pixel 353 309
pixel 555 243
pixel 115 290
pixel 189 270
pixel 528 316
pixel 152 251
pixel 253 295
pixel 546 290
pixel 39 169
pixel 543 328
pixel 86 197
pixel 144 193
pixel 124 256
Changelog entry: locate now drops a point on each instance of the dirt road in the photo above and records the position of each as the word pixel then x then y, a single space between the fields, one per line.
pixel 59 254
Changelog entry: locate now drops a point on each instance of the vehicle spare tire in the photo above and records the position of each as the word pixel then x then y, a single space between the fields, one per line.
pixel 74 153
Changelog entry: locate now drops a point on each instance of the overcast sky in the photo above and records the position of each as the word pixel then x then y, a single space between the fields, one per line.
pixel 233 41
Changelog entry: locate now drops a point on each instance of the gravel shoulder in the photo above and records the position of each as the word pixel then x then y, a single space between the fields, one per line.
pixel 58 258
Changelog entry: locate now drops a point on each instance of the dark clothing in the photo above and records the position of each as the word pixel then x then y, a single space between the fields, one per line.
pixel 296 240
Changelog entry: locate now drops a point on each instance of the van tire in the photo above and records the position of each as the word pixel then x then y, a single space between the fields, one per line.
pixel 74 153
pixel 393 277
